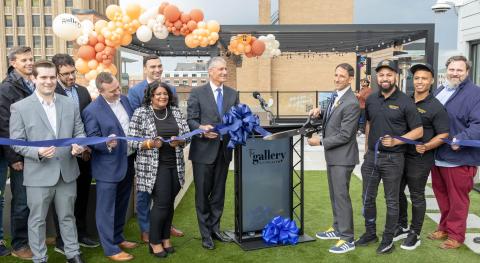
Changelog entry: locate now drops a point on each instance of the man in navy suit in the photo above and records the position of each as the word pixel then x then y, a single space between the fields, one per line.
pixel 112 164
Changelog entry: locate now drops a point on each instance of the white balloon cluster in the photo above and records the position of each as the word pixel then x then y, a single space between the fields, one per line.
pixel 67 27
pixel 87 30
pixel 152 24
pixel 271 46
pixel 92 89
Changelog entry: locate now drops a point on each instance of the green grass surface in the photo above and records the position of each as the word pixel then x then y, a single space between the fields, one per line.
pixel 317 217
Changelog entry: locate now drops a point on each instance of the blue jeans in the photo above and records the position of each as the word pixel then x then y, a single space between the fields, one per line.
pixel 143 210
pixel 19 210
pixel 3 179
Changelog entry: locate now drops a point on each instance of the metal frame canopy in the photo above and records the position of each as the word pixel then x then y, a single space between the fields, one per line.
pixel 305 38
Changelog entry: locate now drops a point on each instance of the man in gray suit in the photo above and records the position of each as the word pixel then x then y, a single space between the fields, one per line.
pixel 50 173
pixel 208 152
pixel 340 123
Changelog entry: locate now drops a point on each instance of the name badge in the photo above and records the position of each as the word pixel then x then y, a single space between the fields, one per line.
pixel 393 107
pixel 422 111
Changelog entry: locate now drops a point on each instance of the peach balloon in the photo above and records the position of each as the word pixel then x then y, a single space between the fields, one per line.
pixel 247 48
pixel 192 25
pixel 258 47
pixel 112 11
pixel 126 39
pixel 162 6
pixel 92 74
pixel 92 41
pixel 196 15
pixel 99 25
pixel 171 13
pixel 82 66
pixel 240 47
pixel 92 64
pixel 99 56
pixel 185 17
pixel 99 47
pixel 133 10
pixel 86 52
pixel 178 24
pixel 201 25
pixel 190 42
pixel 213 26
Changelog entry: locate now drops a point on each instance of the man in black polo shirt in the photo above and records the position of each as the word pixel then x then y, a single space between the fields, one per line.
pixel 419 159
pixel 389 112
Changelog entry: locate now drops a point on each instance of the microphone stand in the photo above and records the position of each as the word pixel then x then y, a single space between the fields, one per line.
pixel 270 113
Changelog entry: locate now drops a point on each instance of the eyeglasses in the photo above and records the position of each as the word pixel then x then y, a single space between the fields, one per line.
pixel 67 74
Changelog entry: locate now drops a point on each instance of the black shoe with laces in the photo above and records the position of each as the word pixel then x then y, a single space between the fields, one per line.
pixel 412 241
pixel 4 251
pixel 87 242
pixel 366 239
pixel 386 247
pixel 400 233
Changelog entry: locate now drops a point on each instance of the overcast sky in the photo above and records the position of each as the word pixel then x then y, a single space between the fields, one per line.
pixel 229 12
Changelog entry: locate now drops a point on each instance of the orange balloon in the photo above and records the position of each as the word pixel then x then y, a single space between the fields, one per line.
pixel 185 17
pixel 101 39
pixel 213 26
pixel 247 48
pixel 171 13
pixel 241 47
pixel 192 25
pixel 82 66
pixel 112 11
pixel 92 64
pixel 86 52
pixel 190 42
pixel 161 8
pixel 99 56
pixel 178 24
pixel 258 47
pixel 107 62
pixel 126 40
pixel 133 10
pixel 109 51
pixel 196 15
pixel 92 41
pixel 99 47
pixel 249 55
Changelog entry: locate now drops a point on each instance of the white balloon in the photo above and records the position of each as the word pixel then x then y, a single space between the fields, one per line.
pixel 162 33
pixel 270 36
pixel 67 27
pixel 276 44
pixel 82 40
pixel 87 26
pixel 143 19
pixel 92 89
pixel 151 23
pixel 144 33
pixel 160 19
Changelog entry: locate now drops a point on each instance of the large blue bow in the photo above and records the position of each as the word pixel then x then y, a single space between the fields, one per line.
pixel 280 231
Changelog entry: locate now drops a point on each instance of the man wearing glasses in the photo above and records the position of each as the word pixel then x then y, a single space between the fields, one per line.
pixel 66 77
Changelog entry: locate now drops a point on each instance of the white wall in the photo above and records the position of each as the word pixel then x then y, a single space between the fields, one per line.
pixel 468 25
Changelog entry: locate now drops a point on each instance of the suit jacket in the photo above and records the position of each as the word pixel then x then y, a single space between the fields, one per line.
pixel 339 131
pixel 84 97
pixel 29 122
pixel 100 121
pixel 202 110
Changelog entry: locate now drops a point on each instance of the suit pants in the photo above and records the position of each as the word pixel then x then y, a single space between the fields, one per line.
pixel 38 200
pixel 84 181
pixel 339 186
pixel 388 169
pixel 210 182
pixel 452 186
pixel 111 210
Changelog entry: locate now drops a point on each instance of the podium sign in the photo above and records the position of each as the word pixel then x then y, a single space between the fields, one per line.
pixel 266 167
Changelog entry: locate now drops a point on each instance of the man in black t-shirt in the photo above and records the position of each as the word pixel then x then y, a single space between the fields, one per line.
pixel 419 159
pixel 389 112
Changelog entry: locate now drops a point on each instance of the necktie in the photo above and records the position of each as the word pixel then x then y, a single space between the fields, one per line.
pixel 330 106
pixel 219 101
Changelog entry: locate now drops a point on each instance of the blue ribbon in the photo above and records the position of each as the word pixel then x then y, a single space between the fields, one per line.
pixel 469 143
pixel 281 231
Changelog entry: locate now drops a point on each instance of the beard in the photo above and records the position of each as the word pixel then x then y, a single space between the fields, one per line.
pixel 453 83
pixel 390 87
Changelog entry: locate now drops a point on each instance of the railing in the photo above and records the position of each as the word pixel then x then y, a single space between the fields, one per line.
pixel 287 106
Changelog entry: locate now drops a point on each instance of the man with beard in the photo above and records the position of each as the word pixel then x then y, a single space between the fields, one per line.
pixel 456 166
pixel 389 112
pixel 419 159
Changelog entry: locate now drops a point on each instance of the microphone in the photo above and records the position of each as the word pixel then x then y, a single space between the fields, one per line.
pixel 257 96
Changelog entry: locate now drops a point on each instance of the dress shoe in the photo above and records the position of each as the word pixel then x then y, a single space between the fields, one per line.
pixel 450 244
pixel 122 256
pixel 23 253
pixel 145 237
pixel 221 237
pixel 128 245
pixel 438 235
pixel 476 240
pixel 170 250
pixel 4 251
pixel 161 254
pixel 87 242
pixel 176 232
pixel 207 243
pixel 75 259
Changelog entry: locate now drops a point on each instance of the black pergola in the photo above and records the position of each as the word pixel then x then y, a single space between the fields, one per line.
pixel 345 38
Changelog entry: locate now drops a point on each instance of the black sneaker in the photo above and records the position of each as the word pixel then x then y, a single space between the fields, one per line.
pixel 366 239
pixel 400 233
pixel 386 247
pixel 4 251
pixel 87 242
pixel 412 241
pixel 59 249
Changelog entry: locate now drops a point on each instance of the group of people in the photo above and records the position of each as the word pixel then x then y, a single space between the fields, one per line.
pixel 41 101
pixel 405 143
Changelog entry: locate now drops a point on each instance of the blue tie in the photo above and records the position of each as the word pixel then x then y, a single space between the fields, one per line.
pixel 219 101
pixel 332 101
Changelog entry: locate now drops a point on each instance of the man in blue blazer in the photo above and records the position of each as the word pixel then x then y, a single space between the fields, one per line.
pixel 112 164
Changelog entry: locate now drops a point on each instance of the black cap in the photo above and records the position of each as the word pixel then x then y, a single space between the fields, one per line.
pixel 386 64
pixel 425 66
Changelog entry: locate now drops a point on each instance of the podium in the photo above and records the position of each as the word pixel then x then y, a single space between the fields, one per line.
pixel 268 183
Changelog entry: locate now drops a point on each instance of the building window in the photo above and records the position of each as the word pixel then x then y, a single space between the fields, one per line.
pixel 20 21
pixel 185 75
pixel 48 41
pixel 36 20
pixel 475 58
pixel 37 58
pixel 167 75
pixel 37 41
pixel 35 3
pixel 194 75
pixel 21 40
pixel 9 41
pixel 167 81
pixel 68 3
pixel 47 3
pixel 176 82
pixel 69 44
pixel 48 20
pixel 49 58
pixel 20 3
pixel 185 82
pixel 203 81
pixel 8 21
pixel 194 83
pixel 8 2
pixel 176 75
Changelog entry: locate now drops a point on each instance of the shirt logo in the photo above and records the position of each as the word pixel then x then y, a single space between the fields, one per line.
pixel 393 107
pixel 422 111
